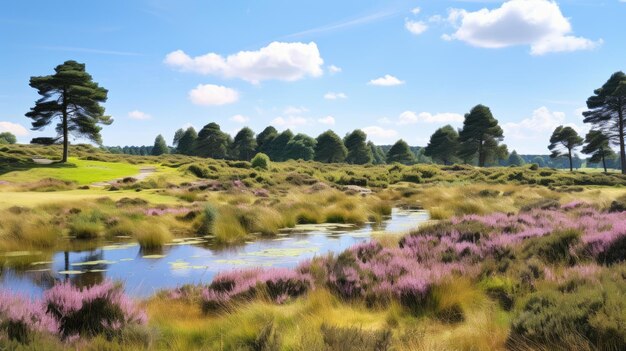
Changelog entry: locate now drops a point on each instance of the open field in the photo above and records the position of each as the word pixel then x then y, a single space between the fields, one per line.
pixel 510 249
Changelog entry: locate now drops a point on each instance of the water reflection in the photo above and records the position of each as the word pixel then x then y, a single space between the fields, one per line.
pixel 191 260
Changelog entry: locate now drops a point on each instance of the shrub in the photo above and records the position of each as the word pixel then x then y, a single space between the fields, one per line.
pixel 100 309
pixel 260 161
pixel 207 220
pixel 199 171
pixel 554 247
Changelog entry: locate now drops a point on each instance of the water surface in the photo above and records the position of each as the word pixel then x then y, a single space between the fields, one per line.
pixel 193 260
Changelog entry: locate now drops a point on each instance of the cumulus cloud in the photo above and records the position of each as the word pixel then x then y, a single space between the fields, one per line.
pixel 538 23
pixel 334 69
pixel 410 117
pixel 328 120
pixel 239 119
pixel 542 121
pixel 334 96
pixel 140 115
pixel 386 81
pixel 277 61
pixel 14 128
pixel 210 94
pixel 416 10
pixel 289 121
pixel 295 110
pixel 377 133
pixel 415 27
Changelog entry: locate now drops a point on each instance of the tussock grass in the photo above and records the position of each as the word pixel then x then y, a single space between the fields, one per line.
pixel 152 236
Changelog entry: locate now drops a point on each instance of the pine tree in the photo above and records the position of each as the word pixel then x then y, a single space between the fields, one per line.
pixel 70 95
pixel 278 146
pixel 177 136
pixel 264 139
pixel 377 153
pixel 330 148
pixel 443 145
pixel 301 147
pixel 597 145
pixel 160 146
pixel 400 152
pixel 187 143
pixel 563 141
pixel 515 159
pixel 244 145
pixel 358 151
pixel 212 142
pixel 480 135
pixel 607 112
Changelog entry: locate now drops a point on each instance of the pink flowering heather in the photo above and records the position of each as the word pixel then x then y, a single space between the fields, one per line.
pixel 20 317
pixel 102 308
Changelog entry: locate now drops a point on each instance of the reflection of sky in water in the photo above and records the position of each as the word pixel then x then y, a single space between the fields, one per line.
pixel 187 262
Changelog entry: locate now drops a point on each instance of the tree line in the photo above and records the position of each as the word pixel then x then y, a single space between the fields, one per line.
pixel 72 99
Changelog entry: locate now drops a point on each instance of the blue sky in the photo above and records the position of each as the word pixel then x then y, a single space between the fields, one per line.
pixel 397 69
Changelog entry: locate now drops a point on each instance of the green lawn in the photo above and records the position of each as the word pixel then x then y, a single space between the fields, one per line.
pixel 80 171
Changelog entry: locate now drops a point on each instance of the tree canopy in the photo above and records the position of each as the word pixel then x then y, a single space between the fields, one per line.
pixel 515 159
pixel 7 138
pixel 607 112
pixel 301 147
pixel 71 96
pixel 443 145
pixel 212 142
pixel 187 143
pixel 480 135
pixel 244 145
pixel 563 141
pixel 400 152
pixel 330 148
pixel 264 139
pixel 597 145
pixel 160 146
pixel 358 151
pixel 278 146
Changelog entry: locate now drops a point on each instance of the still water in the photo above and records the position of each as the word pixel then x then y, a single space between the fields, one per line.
pixel 193 260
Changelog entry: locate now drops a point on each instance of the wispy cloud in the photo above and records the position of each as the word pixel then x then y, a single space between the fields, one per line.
pixel 347 23
pixel 90 51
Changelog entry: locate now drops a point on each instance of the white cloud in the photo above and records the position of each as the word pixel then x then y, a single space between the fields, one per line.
pixel 334 96
pixel 377 133
pixel 538 23
pixel 415 27
pixel 410 117
pixel 329 120
pixel 14 128
pixel 278 60
pixel 416 11
pixel 209 94
pixel 386 81
pixel 140 115
pixel 289 121
pixel 295 110
pixel 542 121
pixel 334 69
pixel 384 120
pixel 239 119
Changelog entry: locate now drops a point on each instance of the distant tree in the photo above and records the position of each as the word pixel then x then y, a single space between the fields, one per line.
pixel 177 136
pixel 563 141
pixel 301 147
pixel 539 161
pixel 378 155
pixel 261 161
pixel 330 148
pixel 187 143
pixel 400 152
pixel 278 146
pixel 358 151
pixel 244 145
pixel 7 138
pixel 264 139
pixel 443 145
pixel 515 159
pixel 71 95
pixel 420 157
pixel 607 112
pixel 45 140
pixel 160 146
pixel 480 135
pixel 212 142
pixel 597 145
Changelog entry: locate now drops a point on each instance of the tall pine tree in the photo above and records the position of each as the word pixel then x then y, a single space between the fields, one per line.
pixel 244 145
pixel 212 142
pixel 443 145
pixel 480 135
pixel 330 148
pixel 71 96
pixel 358 151
pixel 563 141
pixel 401 152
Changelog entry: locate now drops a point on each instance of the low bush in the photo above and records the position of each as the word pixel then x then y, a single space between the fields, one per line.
pixel 260 161
pixel 554 247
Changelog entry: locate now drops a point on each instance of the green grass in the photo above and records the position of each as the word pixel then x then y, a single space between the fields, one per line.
pixel 76 170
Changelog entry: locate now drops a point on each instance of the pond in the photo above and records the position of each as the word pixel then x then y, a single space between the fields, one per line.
pixel 193 260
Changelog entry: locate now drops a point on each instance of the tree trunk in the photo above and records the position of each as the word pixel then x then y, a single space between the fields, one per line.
pixel 604 163
pixel 67 264
pixel 622 151
pixel 569 155
pixel 65 139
